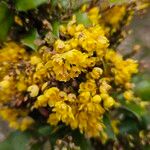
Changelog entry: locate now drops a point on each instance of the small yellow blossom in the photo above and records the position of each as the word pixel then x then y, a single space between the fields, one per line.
pixel 35 60
pixel 128 95
pixel 115 124
pixel 108 102
pixel 96 99
pixel 26 123
pixel 33 90
pixel 18 20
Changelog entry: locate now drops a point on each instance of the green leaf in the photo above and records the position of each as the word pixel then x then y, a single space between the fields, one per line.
pixel 3 10
pixel 82 18
pixel 65 3
pixel 108 126
pixel 131 107
pixel 117 1
pixel 135 109
pixel 37 146
pixel 29 40
pixel 129 125
pixel 16 141
pixel 81 141
pixel 45 130
pixel 6 20
pixel 142 89
pixel 58 133
pixel 146 120
pixel 55 27
pixel 53 3
pixel 24 5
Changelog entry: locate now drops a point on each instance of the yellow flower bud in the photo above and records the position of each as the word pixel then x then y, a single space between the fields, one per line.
pixel 109 102
pixel 128 95
pixel 96 72
pixel 21 86
pixel 35 60
pixel 84 97
pixel 34 90
pixel 96 99
pixel 4 84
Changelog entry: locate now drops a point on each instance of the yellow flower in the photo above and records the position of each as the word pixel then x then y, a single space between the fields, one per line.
pixel 96 99
pixel 33 90
pixel 63 112
pixel 115 124
pixel 84 97
pixel 104 87
pixel 96 73
pixel 41 101
pixel 4 84
pixel 115 15
pixel 89 86
pixel 123 69
pixel 26 123
pixel 59 46
pixel 18 20
pixel 53 120
pixel 94 15
pixel 34 60
pixel 108 102
pixel 128 95
pixel 52 95
pixel 21 86
pixel 17 118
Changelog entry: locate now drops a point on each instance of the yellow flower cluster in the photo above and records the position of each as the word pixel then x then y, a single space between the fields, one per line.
pixel 17 118
pixel 73 81
pixel 122 69
pixel 94 15
pixel 76 54
pixel 115 15
pixel 76 110
pixel 110 20
pixel 12 61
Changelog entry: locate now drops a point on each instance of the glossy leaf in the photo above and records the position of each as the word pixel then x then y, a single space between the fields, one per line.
pixel 142 89
pixel 6 20
pixel 81 141
pixel 16 141
pixel 45 130
pixel 128 126
pixel 55 27
pixel 82 18
pixel 24 5
pixel 146 120
pixel 29 40
pixel 108 127
pixel 135 109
